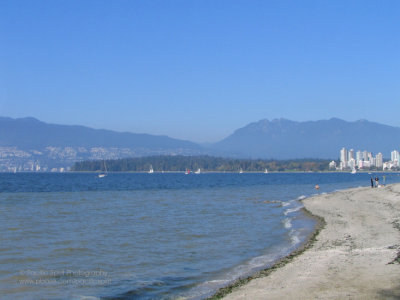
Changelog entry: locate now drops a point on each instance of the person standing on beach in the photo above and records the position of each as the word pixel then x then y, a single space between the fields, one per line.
pixel 376 181
pixel 372 183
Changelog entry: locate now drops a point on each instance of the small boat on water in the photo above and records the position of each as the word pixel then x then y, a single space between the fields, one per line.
pixel 198 171
pixel 266 171
pixel 103 174
pixel 354 171
pixel 241 171
pixel 151 170
pixel 187 172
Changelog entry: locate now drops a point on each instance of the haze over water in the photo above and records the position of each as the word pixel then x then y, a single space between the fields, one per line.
pixel 142 236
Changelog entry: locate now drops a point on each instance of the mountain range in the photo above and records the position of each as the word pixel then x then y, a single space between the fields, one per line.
pixel 29 133
pixel 285 139
pixel 27 144
pixel 28 139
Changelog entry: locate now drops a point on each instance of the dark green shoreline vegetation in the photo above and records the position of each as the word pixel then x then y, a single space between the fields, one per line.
pixel 179 163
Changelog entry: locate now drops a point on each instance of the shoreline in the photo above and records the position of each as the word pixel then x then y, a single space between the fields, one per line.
pixel 203 172
pixel 341 257
pixel 306 244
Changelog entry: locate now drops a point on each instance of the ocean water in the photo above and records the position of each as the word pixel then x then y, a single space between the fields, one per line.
pixel 150 236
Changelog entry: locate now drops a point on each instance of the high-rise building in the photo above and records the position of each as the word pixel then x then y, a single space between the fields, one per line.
pixel 359 156
pixel 350 154
pixel 379 160
pixel 343 158
pixel 365 155
pixel 394 157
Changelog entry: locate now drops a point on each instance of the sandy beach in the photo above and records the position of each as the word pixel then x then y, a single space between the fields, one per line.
pixel 354 256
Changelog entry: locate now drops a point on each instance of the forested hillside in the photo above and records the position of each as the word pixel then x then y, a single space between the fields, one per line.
pixel 205 163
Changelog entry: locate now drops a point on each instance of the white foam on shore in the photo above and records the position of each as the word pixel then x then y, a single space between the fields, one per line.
pixel 255 264
pixel 208 288
pixel 292 210
pixel 287 223
pixel 294 237
pixel 287 203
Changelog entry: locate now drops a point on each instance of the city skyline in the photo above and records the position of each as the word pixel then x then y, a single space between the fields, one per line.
pixel 198 70
pixel 349 159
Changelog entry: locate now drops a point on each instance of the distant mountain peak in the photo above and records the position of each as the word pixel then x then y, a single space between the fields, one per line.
pixel 281 120
pixel 285 139
pixel 29 119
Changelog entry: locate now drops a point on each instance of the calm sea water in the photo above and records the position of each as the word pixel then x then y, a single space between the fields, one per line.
pixel 149 236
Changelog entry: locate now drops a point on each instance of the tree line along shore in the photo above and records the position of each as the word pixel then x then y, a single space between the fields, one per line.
pixel 178 163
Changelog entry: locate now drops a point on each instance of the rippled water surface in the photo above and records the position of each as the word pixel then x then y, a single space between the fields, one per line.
pixel 149 236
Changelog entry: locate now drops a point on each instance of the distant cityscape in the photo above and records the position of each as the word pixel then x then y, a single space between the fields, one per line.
pixel 349 159
pixel 50 159
pixel 60 159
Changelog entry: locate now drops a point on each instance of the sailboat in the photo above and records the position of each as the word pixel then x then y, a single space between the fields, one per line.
pixel 241 171
pixel 354 171
pixel 187 172
pixel 103 174
pixel 151 169
pixel 198 171
pixel 266 171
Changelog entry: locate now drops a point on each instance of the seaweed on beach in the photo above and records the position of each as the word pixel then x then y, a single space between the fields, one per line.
pixel 396 225
pixel 397 259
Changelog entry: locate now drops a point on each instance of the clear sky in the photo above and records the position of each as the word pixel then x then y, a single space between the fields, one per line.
pixel 199 70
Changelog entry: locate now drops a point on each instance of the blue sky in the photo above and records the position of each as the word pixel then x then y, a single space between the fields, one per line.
pixel 199 70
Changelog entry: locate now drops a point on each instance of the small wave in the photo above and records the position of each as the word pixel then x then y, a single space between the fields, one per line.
pixel 294 238
pixel 301 197
pixel 219 281
pixel 287 223
pixel 285 204
pixel 88 298
pixel 292 210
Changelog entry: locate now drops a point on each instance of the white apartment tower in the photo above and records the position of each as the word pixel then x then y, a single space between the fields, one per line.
pixel 394 157
pixel 365 155
pixel 359 156
pixel 343 158
pixel 379 160
pixel 351 154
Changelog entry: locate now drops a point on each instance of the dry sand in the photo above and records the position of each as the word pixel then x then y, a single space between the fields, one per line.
pixel 355 256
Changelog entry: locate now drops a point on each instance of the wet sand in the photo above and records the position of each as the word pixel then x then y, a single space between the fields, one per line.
pixel 356 255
